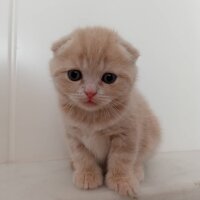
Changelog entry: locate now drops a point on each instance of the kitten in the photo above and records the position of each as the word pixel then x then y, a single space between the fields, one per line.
pixel 110 127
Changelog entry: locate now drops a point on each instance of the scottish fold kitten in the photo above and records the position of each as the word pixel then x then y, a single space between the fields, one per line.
pixel 111 129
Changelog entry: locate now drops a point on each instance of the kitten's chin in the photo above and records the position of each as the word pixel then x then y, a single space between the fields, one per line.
pixel 90 106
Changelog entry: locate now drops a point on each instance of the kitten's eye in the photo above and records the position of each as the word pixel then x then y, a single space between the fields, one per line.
pixel 74 75
pixel 109 78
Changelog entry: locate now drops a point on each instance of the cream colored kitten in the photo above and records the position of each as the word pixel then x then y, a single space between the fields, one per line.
pixel 111 129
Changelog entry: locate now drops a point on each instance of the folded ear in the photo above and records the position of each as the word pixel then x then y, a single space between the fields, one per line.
pixel 58 46
pixel 132 52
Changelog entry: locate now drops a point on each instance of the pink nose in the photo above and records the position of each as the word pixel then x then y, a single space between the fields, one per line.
pixel 90 94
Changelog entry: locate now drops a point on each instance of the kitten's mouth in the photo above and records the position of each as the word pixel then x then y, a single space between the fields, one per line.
pixel 89 104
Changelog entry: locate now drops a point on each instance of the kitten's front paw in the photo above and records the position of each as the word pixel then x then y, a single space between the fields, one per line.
pixel 124 185
pixel 88 179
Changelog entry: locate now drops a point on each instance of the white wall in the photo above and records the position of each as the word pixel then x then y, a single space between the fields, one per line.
pixel 4 79
pixel 167 33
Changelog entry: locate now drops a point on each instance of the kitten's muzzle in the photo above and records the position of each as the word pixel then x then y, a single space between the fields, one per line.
pixel 90 94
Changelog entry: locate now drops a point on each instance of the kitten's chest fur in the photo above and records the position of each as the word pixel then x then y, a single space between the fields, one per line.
pixel 97 143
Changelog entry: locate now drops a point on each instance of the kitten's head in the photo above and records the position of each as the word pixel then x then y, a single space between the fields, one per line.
pixel 93 69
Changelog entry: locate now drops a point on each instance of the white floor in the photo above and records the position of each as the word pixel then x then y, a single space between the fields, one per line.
pixel 169 176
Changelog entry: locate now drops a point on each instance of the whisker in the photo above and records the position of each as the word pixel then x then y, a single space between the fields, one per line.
pixel 68 106
pixel 116 111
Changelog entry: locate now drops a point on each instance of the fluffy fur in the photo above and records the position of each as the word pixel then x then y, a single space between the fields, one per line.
pixel 117 134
